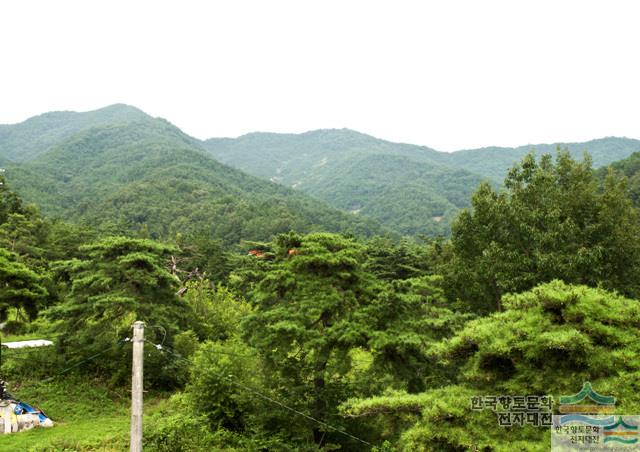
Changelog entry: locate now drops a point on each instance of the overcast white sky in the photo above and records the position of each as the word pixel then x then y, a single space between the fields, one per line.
pixel 446 74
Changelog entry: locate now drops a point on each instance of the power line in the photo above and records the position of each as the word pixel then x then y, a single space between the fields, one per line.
pixel 90 358
pixel 159 327
pixel 230 379
pixel 220 352
pixel 265 397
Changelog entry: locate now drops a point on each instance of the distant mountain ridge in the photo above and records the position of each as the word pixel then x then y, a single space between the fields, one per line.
pixel 145 175
pixel 29 139
pixel 73 163
pixel 495 161
pixel 412 189
pixel 399 185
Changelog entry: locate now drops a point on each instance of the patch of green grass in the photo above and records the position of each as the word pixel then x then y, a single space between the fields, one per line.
pixel 95 433
pixel 88 416
pixel 22 337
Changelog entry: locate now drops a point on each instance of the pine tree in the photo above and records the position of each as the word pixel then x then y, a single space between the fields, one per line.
pixel 304 322
pixel 120 280
pixel 20 287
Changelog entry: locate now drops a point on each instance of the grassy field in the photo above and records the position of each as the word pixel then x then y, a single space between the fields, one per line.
pixel 87 417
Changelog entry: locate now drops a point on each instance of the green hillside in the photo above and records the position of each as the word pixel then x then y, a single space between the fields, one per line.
pixel 629 167
pixel 400 185
pixel 31 138
pixel 148 175
pixel 402 193
pixel 298 159
pixel 494 162
pixel 411 189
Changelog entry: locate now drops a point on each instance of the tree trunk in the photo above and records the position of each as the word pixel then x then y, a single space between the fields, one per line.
pixel 319 409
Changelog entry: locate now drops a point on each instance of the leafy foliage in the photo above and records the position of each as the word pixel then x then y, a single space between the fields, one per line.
pixel 304 325
pixel 20 287
pixel 120 280
pixel 629 168
pixel 546 341
pixel 550 222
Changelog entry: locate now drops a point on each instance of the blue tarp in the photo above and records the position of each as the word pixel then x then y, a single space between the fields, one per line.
pixel 22 408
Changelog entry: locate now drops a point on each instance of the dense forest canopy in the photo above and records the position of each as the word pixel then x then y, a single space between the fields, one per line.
pixel 410 189
pixel 629 168
pixel 148 178
pixel 35 136
pixel 275 322
pixel 107 167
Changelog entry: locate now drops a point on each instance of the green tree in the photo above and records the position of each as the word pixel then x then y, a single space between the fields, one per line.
pixel 327 329
pixel 629 168
pixel 401 325
pixel 206 255
pixel 389 260
pixel 547 341
pixel 304 321
pixel 9 201
pixel 26 234
pixel 20 287
pixel 549 222
pixel 120 280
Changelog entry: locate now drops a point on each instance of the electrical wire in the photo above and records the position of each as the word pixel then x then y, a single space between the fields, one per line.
pixel 231 380
pixel 168 349
pixel 90 358
pixel 160 327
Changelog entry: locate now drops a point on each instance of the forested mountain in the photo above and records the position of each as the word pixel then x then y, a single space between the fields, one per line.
pixel 300 158
pixel 400 185
pixel 313 341
pixel 409 189
pixel 28 139
pixel 412 189
pixel 630 168
pixel 148 176
pixel 494 162
pixel 402 193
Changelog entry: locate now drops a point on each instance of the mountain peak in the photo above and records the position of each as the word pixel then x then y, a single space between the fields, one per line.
pixel 34 136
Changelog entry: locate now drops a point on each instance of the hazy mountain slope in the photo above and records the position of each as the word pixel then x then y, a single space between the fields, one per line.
pixel 148 174
pixel 29 139
pixel 298 159
pixel 400 185
pixel 629 167
pixel 494 162
pixel 402 193
pixel 406 187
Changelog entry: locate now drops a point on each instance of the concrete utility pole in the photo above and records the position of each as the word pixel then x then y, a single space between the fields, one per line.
pixel 7 416
pixel 136 387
